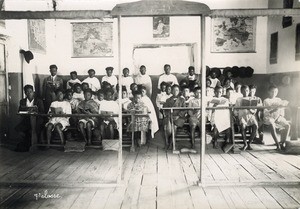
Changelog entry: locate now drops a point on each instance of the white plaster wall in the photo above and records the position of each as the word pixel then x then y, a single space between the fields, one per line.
pixel 286 42
pixel 133 31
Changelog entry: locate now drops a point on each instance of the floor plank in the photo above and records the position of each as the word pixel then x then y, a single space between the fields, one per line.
pixel 249 197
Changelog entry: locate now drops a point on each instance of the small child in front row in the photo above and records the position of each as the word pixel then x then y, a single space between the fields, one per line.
pixel 58 123
pixel 275 117
pixel 195 115
pixel 247 117
pixel 78 93
pixel 220 119
pixel 88 106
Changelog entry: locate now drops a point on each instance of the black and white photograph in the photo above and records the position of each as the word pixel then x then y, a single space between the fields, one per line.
pixel 149 104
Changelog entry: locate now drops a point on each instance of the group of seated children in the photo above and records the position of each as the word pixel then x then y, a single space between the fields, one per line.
pixel 241 96
pixel 89 97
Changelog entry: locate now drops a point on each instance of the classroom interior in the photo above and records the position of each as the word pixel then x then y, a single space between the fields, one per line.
pixel 149 176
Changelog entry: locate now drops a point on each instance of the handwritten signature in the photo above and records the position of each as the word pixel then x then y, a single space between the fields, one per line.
pixel 46 195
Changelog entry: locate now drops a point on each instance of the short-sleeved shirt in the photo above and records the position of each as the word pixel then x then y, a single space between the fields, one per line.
pixel 171 79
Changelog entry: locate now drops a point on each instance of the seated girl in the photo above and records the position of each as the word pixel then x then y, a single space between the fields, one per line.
pixel 195 115
pixel 140 123
pixel 78 93
pixel 220 118
pixel 58 123
pixel 87 106
pixel 148 103
pixel 108 123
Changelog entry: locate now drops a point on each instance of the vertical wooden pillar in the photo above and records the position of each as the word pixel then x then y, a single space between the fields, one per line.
pixel 120 153
pixel 203 98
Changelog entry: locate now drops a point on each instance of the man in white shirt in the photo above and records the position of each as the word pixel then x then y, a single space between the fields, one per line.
pixel 94 83
pixel 145 80
pixel 73 80
pixel 167 77
pixel 110 78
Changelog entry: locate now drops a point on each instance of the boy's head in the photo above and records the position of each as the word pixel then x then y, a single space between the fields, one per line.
pixel 133 87
pixel 175 90
pixel 273 91
pixel 197 92
pixel 77 88
pixel 143 89
pixel 185 91
pixel 91 73
pixel 218 91
pixel 109 94
pixel 106 85
pixel 124 92
pixel 227 81
pixel 163 86
pixel 208 82
pixel 100 95
pixel 88 94
pixel 28 89
pixel 53 70
pixel 245 90
pixel 167 69
pixel 143 70
pixel 237 86
pixel 126 72
pixel 229 92
pixel 252 89
pixel 137 96
pixel 69 94
pixel 213 74
pixel 84 86
pixel 191 70
pixel 109 71
pixel 59 95
pixel 168 89
pixel 73 75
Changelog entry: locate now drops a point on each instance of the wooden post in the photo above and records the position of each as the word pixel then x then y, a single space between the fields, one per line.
pixel 203 98
pixel 173 134
pixel 120 153
pixel 132 148
pixel 33 133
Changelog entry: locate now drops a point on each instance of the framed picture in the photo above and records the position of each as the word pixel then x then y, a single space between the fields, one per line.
pixel 92 39
pixel 297 56
pixel 37 36
pixel 273 48
pixel 287 20
pixel 234 34
pixel 161 27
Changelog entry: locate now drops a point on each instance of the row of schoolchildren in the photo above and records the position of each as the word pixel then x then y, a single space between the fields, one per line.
pixel 241 95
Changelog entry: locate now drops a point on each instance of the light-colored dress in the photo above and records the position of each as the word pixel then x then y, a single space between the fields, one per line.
pixel 94 83
pixel 141 123
pixel 65 109
pixel 154 123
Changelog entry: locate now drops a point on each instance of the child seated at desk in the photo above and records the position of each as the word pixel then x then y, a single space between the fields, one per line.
pixel 108 123
pixel 140 123
pixel 275 117
pixel 179 116
pixel 247 117
pixel 78 93
pixel 88 106
pixel 58 123
pixel 30 104
pixel 220 118
pixel 195 115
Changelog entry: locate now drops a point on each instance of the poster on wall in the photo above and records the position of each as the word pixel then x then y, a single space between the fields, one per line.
pixel 92 39
pixel 161 27
pixel 37 36
pixel 233 35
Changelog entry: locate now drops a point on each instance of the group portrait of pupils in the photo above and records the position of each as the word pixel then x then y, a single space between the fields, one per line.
pixel 92 97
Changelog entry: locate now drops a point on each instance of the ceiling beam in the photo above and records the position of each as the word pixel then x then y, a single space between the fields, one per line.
pixel 74 14
pixel 253 12
pixel 100 14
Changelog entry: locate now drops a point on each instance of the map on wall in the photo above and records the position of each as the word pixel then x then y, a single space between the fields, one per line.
pixel 92 39
pixel 235 34
pixel 36 35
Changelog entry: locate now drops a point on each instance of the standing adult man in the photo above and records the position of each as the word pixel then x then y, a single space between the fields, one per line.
pixel 50 85
pixel 145 80
pixel 167 77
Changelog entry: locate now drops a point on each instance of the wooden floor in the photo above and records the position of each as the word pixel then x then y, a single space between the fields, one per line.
pixel 153 178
